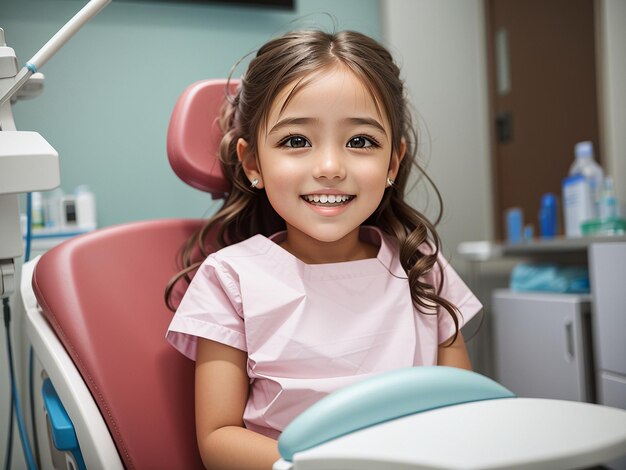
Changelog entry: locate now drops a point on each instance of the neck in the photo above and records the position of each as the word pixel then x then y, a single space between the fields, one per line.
pixel 312 251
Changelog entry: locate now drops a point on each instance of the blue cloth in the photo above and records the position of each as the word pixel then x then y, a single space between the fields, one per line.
pixel 550 278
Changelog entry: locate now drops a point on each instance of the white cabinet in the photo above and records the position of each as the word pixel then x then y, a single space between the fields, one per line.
pixel 542 344
pixel 607 269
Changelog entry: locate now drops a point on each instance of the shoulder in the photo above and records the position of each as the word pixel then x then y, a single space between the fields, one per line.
pixel 224 257
pixel 228 263
pixel 253 246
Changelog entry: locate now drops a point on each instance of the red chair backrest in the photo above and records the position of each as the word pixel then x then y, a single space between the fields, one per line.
pixel 194 135
pixel 102 293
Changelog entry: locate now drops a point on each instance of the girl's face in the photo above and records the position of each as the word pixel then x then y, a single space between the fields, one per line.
pixel 324 160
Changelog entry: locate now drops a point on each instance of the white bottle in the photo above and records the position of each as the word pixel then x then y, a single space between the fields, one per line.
pixel 581 190
pixel 585 165
pixel 53 210
pixel 608 201
pixel 577 205
pixel 37 214
pixel 85 208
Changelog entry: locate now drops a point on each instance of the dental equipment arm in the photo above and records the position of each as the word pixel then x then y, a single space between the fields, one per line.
pixel 53 45
pixel 27 162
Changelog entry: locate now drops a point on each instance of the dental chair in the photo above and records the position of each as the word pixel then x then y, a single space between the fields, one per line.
pixel 110 393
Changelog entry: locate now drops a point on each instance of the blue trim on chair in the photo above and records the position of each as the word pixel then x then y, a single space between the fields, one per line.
pixel 61 426
pixel 382 398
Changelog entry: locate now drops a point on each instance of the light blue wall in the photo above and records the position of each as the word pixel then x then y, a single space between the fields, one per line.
pixel 109 92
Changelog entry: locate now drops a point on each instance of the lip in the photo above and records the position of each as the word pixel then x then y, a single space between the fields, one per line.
pixel 328 211
pixel 334 192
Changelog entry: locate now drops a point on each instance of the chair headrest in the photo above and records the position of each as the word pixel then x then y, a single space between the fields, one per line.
pixel 194 135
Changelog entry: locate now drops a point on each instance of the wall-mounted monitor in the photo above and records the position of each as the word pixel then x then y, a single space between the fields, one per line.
pixel 270 4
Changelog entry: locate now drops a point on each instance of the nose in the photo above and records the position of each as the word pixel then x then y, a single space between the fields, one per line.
pixel 329 163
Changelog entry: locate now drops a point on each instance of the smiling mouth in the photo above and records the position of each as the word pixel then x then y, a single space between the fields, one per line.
pixel 328 200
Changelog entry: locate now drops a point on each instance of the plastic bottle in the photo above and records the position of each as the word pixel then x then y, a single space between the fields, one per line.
pixel 37 214
pixel 514 225
pixel 53 209
pixel 548 218
pixel 577 205
pixel 585 165
pixel 85 208
pixel 581 190
pixel 608 201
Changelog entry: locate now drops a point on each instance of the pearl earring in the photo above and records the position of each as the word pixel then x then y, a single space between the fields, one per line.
pixel 254 183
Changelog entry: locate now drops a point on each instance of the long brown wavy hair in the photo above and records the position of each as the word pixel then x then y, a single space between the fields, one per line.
pixel 287 60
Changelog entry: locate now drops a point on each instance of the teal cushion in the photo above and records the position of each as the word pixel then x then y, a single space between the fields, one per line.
pixel 382 398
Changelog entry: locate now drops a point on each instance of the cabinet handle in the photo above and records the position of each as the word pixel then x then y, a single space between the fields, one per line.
pixel 569 341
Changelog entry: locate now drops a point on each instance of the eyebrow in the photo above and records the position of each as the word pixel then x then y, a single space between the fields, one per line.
pixel 367 122
pixel 292 122
pixel 304 120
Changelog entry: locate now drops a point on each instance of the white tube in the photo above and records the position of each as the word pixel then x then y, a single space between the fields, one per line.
pixel 66 32
pixel 53 45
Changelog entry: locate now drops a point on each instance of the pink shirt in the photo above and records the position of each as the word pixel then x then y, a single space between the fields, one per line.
pixel 311 329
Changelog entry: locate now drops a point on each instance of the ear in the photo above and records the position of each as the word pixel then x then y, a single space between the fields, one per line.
pixel 249 163
pixel 396 159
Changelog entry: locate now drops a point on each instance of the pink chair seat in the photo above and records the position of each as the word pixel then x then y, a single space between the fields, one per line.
pixel 102 293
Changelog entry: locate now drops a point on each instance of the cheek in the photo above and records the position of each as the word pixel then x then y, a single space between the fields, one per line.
pixel 281 176
pixel 373 176
pixel 373 184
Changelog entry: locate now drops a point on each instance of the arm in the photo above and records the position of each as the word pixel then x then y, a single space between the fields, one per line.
pixel 221 394
pixel 454 355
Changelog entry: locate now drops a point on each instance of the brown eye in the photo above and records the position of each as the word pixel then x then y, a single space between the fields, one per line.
pixel 296 141
pixel 360 142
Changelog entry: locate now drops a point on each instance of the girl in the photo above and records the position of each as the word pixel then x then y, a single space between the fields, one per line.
pixel 326 275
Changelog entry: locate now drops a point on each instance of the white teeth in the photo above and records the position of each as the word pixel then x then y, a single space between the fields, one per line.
pixel 327 198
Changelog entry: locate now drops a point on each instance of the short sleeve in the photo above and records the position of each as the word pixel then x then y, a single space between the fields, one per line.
pixel 211 309
pixel 454 290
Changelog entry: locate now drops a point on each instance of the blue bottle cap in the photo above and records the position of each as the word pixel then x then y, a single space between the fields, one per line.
pixel 548 200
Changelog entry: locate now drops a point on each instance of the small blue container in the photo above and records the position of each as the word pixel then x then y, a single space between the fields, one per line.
pixel 514 225
pixel 548 216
